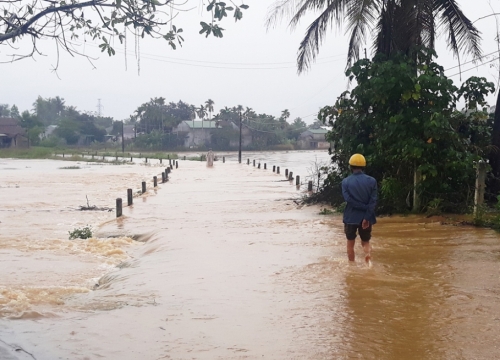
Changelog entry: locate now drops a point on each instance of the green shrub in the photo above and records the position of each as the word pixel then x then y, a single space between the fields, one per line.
pixel 81 233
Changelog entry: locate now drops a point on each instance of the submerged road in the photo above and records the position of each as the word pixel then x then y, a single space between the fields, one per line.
pixel 229 267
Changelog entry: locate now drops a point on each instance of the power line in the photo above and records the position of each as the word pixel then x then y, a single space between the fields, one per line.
pixel 468 62
pixel 232 66
pixel 475 67
pixel 303 117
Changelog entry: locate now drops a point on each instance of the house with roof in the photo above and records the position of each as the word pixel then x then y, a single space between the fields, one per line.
pixel 199 133
pixel 313 139
pixel 12 134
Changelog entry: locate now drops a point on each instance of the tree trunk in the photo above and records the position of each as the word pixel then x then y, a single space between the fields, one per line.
pixel 495 141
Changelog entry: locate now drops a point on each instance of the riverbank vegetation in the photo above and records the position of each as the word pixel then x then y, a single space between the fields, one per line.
pixel 403 117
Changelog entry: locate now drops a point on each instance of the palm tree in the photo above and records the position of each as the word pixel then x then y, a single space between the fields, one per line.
pixel 192 108
pixel 399 25
pixel 201 112
pixel 285 114
pixel 210 107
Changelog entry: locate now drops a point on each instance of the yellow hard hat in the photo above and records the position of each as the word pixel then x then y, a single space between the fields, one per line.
pixel 357 160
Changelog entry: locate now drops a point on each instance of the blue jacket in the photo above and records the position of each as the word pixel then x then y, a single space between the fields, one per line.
pixel 360 193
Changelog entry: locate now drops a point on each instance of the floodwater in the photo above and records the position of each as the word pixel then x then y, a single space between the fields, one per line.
pixel 221 263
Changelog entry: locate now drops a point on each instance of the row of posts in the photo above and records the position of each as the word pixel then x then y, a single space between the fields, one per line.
pixel 276 169
pixel 130 197
pixel 288 175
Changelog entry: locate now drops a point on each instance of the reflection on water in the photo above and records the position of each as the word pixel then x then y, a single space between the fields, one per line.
pixel 219 263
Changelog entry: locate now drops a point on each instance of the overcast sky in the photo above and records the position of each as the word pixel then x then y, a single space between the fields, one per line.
pixel 248 66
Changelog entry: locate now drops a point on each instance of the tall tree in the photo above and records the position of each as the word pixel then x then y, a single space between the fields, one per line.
pixel 50 110
pixel 156 114
pixel 398 25
pixel 210 107
pixel 285 114
pixel 201 112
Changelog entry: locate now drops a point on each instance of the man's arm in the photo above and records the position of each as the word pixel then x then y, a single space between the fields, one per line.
pixel 370 211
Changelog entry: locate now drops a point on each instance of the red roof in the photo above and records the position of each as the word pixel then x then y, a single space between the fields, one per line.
pixel 10 127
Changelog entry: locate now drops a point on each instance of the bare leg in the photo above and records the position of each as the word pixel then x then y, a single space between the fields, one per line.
pixel 367 248
pixel 350 249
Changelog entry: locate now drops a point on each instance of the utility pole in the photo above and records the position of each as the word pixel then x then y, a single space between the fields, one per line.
pixel 99 107
pixel 123 139
pixel 239 153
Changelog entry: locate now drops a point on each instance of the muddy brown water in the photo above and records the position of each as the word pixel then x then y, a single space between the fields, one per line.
pixel 220 263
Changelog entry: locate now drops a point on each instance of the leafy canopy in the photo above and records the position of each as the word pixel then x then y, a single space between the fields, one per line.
pixel 67 21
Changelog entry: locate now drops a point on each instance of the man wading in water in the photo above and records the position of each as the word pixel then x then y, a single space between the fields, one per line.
pixel 210 158
pixel 360 193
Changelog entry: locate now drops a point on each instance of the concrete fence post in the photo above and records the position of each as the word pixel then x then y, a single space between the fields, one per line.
pixel 258 166
pixel 118 207
pixel 143 187
pixel 161 160
pixel 277 170
pixel 286 173
pixel 254 162
pixel 223 159
pixel 265 166
pixel 248 161
pixel 176 164
pixel 155 181
pixel 162 177
pixel 297 180
pixel 130 198
pixel 290 177
pixel 274 168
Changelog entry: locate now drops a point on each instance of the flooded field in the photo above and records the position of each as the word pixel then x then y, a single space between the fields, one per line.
pixel 221 263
